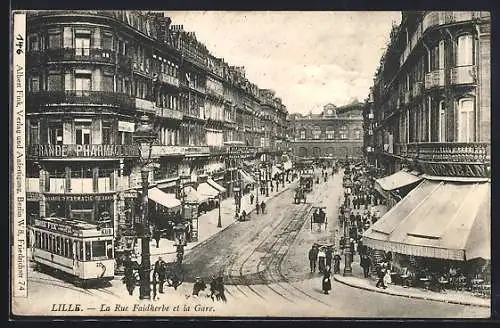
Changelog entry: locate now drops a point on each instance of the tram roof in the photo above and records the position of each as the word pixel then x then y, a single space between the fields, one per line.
pixel 77 224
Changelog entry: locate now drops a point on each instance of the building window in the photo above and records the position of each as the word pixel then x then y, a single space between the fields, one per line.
pixel 34 84
pixel 106 133
pixel 34 135
pixel 316 133
pixel 442 122
pixel 437 56
pixel 55 134
pixel 54 82
pixel 82 44
pixel 107 83
pixel 107 41
pixel 330 134
pixel 343 133
pixel 466 121
pixel 465 51
pixel 82 133
pixel 54 39
pixel 83 82
pixel 34 42
pixel 357 134
pixel 302 134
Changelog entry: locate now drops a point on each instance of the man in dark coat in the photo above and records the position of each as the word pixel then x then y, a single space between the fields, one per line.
pixel 160 270
pixel 336 264
pixel 129 278
pixel 313 257
pixel 198 286
pixel 326 283
pixel 365 264
pixel 251 198
pixel 263 207
pixel 157 236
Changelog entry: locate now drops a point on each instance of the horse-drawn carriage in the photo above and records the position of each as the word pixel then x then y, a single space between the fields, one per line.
pixel 299 196
pixel 306 182
pixel 318 217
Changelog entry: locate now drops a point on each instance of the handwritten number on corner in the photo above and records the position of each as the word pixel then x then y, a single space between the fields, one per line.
pixel 19 44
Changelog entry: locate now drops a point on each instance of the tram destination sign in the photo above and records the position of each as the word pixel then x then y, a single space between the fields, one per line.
pixel 83 151
pixel 68 229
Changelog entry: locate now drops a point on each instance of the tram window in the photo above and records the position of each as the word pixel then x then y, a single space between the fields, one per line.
pixel 45 241
pixel 70 248
pixel 109 249
pixel 87 251
pixel 80 251
pixel 65 247
pixel 37 239
pixel 98 250
pixel 58 245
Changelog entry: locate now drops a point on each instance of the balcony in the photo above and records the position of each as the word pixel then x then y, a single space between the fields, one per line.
pixel 145 105
pixel 45 151
pixel 456 159
pixel 198 88
pixel 165 150
pixel 79 97
pixel 80 186
pixel 434 79
pixel 169 113
pixel 168 79
pixel 142 69
pixel 463 75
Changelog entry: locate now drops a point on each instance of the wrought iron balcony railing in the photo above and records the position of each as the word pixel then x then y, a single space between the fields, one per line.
pixel 36 99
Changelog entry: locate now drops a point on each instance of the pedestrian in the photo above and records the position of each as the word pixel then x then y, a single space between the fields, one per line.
pixel 251 198
pixel 263 207
pixel 329 258
pixel 336 264
pixel 243 215
pixel 321 260
pixel 365 263
pixel 199 285
pixel 157 236
pixel 313 257
pixel 221 290
pixel 257 207
pixel 129 278
pixel 160 269
pixel 387 278
pixel 380 275
pixel 326 283
pixel 180 253
pixel 154 283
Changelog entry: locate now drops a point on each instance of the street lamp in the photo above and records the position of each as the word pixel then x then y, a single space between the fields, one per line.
pixel 219 221
pixel 144 137
pixel 347 243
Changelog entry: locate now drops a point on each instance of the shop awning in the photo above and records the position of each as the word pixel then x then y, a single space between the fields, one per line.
pixel 192 196
pixel 397 180
pixel 447 220
pixel 247 178
pixel 206 191
pixel 162 198
pixel 215 185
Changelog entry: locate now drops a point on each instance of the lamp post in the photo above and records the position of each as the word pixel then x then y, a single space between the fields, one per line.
pixel 219 221
pixel 347 244
pixel 144 137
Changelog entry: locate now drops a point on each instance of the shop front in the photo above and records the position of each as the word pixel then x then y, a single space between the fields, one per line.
pixel 440 228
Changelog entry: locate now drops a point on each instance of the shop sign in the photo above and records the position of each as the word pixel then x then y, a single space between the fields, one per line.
pixel 106 231
pixel 78 198
pixel 455 169
pixel 82 151
pixel 54 226
pixel 126 126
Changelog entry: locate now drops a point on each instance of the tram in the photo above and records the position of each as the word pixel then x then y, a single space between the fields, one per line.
pixel 82 250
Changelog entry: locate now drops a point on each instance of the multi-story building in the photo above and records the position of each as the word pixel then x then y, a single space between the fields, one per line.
pixel 336 133
pixel 428 119
pixel 92 75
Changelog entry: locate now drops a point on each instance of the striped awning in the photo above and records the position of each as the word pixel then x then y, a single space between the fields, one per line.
pixel 439 219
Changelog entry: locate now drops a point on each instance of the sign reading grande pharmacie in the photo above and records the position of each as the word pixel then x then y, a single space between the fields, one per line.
pixel 87 151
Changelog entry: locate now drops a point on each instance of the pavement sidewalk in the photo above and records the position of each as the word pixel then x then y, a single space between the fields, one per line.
pixel 207 222
pixel 450 296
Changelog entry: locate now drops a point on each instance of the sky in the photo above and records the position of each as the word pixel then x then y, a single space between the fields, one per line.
pixel 309 58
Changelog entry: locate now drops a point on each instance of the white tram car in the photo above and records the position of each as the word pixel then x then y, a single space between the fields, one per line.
pixel 80 249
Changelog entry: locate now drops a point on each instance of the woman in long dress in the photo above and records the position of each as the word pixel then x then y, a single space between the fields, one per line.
pixel 321 259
